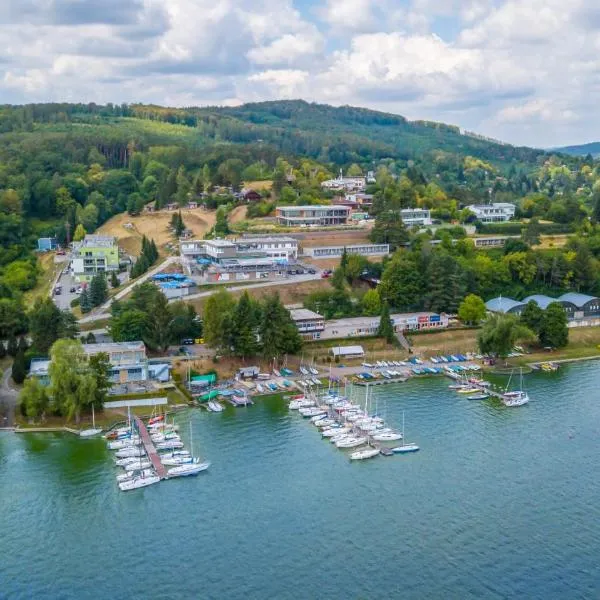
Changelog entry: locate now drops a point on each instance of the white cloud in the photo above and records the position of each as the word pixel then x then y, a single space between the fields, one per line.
pixel 526 71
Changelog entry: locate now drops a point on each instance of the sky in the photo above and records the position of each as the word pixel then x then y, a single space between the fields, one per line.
pixel 522 71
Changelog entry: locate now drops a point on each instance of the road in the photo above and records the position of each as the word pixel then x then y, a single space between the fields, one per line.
pixel 273 283
pixel 8 400
pixel 101 313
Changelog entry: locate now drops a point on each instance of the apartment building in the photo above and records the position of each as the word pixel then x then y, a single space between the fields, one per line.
pixel 498 212
pixel 94 254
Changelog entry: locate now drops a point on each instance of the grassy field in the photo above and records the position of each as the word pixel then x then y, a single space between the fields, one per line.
pixel 444 342
pixel 155 226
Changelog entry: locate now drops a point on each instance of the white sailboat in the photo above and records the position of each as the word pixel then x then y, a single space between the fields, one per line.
pixel 190 467
pixel 131 474
pixel 138 482
pixel 404 447
pixel 387 436
pixel 517 397
pixel 364 453
pixel 94 430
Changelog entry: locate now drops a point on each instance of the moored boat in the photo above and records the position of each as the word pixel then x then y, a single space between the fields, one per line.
pixel 364 453
pixel 189 469
pixel 138 482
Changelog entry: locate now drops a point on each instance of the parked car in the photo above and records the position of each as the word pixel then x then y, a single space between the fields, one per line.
pixel 187 341
pixel 72 290
pixel 325 275
pixel 312 271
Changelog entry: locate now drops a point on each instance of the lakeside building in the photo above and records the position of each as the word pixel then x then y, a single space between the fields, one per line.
pixel 581 309
pixel 94 254
pixel 416 216
pixel 304 216
pixel 309 323
pixel 128 360
pixel 313 326
pixel 497 212
pixel 335 251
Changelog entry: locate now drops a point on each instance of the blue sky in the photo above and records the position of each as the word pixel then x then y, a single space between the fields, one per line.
pixel 524 71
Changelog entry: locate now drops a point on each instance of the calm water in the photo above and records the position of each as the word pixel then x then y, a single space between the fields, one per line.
pixel 499 503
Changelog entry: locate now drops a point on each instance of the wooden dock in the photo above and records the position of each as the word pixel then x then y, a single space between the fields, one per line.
pixel 150 449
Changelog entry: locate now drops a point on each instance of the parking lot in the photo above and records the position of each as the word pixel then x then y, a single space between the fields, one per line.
pixel 67 283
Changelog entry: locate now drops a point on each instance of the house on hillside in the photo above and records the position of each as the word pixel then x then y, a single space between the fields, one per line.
pixel 192 204
pixel 172 206
pixel 250 195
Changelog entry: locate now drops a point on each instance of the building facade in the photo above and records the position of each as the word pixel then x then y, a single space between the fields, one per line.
pixel 312 326
pixel 416 216
pixel 498 212
pixel 334 251
pixel 243 259
pixel 345 183
pixel 94 254
pixel 309 323
pixel 127 359
pixel 303 216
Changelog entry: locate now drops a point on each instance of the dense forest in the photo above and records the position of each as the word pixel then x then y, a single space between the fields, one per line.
pixel 65 165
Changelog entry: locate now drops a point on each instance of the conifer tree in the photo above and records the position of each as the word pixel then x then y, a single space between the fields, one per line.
pixel 98 290
pixel 12 346
pixel 19 367
pixel 114 280
pixel 84 301
pixel 386 329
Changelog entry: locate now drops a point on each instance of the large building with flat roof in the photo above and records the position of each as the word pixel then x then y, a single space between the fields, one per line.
pixel 242 259
pixel 493 213
pixel 305 216
pixel 94 254
pixel 334 251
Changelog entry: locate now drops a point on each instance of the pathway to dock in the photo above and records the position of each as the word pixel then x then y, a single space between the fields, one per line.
pixel 150 449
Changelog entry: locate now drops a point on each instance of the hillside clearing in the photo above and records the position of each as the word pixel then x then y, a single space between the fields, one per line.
pixel 155 226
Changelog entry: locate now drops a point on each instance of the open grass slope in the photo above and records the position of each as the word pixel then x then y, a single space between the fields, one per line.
pixel 155 226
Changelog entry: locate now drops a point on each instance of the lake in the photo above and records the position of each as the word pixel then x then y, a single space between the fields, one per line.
pixel 498 503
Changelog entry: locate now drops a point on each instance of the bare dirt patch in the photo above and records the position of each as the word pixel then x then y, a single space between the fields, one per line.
pixel 238 214
pixel 155 226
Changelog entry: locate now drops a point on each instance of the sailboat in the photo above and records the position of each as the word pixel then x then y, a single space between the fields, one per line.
pixel 517 397
pixel 189 468
pixel 94 430
pixel 404 448
pixel 364 453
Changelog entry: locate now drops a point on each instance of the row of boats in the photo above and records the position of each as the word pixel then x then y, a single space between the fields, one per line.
pixel 478 389
pixel 350 426
pixel 131 454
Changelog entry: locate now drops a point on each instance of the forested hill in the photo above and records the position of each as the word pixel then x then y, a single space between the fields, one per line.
pixel 592 149
pixel 328 134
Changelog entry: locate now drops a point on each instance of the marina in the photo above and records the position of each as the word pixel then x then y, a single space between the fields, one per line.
pixel 274 475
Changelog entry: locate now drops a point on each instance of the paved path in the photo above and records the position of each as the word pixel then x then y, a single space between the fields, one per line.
pixel 8 400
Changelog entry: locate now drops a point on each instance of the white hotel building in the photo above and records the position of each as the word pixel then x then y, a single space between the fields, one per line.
pixel 498 212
